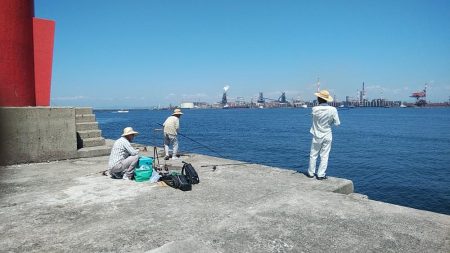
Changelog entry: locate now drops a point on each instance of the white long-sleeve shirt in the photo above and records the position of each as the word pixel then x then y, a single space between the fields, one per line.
pixel 323 117
pixel 120 151
pixel 171 125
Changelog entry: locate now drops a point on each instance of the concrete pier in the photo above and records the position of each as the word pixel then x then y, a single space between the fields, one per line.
pixel 39 134
pixel 66 206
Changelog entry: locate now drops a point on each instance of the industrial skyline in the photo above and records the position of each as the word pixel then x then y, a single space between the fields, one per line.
pixel 361 100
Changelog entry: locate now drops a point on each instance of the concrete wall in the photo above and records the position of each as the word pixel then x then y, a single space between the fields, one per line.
pixel 36 134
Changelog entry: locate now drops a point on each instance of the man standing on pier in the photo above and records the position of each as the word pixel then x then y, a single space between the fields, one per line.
pixel 171 128
pixel 124 157
pixel 323 116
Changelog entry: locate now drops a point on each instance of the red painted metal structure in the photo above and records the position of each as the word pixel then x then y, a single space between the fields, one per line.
pixel 43 34
pixel 26 55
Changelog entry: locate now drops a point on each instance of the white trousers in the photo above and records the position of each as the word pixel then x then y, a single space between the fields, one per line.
pixel 320 146
pixel 170 139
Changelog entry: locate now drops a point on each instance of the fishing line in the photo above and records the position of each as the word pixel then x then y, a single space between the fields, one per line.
pixel 225 164
pixel 205 146
pixel 192 149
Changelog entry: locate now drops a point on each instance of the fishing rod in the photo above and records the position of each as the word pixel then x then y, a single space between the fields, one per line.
pixel 214 166
pixel 203 145
pixel 226 164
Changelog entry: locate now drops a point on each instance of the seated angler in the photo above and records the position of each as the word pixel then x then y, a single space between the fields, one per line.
pixel 124 157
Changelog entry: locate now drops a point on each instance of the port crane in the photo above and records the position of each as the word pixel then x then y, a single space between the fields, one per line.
pixel 420 96
pixel 281 99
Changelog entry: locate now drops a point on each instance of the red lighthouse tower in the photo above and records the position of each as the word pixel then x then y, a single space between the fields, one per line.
pixel 26 55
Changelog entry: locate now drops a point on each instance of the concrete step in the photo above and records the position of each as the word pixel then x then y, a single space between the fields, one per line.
pixel 86 126
pixel 89 134
pixel 83 110
pixel 81 118
pixel 94 151
pixel 92 142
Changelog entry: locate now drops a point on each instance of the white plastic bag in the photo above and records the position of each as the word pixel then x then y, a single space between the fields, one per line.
pixel 155 176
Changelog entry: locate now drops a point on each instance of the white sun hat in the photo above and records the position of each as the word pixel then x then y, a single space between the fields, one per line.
pixel 177 112
pixel 324 94
pixel 128 131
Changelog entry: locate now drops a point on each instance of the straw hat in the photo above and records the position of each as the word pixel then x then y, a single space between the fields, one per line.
pixel 325 95
pixel 128 131
pixel 177 112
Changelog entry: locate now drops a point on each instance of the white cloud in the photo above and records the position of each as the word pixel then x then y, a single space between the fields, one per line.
pixel 373 87
pixel 70 98
pixel 396 91
pixel 170 96
pixel 178 98
pixel 194 96
pixel 126 98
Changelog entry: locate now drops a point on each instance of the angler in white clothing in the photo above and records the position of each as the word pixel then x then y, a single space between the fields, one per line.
pixel 323 116
pixel 171 128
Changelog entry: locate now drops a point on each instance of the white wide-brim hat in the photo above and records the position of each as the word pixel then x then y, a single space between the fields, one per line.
pixel 177 112
pixel 324 94
pixel 128 131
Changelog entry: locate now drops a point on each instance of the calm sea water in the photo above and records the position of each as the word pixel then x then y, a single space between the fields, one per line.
pixel 399 156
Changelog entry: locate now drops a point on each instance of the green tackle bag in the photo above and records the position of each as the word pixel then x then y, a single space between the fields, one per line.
pixel 143 173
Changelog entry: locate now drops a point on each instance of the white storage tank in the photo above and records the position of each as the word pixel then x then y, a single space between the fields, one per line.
pixel 187 105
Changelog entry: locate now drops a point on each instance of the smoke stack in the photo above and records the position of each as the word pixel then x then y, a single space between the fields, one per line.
pixel 364 92
pixel 224 96
pixel 318 84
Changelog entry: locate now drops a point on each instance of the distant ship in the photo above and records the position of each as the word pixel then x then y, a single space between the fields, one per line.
pixel 122 111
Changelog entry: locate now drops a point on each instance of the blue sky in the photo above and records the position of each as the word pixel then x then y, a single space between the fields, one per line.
pixel 159 52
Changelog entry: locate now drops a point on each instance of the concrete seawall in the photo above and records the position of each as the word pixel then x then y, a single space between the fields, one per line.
pixel 68 206
pixel 36 134
pixel 40 134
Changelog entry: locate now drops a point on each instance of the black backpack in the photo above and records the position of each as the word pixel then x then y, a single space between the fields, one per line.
pixel 189 172
pixel 177 182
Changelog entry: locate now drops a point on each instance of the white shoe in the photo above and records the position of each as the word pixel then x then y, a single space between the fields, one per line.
pixel 125 177
pixel 175 158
